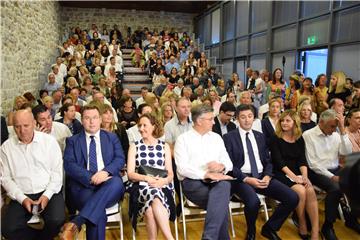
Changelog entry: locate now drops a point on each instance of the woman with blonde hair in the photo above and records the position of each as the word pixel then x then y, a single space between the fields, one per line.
pixel 337 87
pixel 290 167
pixel 152 100
pixel 151 197
pixel 269 123
pixel 18 102
pixel 305 112
pixel 167 112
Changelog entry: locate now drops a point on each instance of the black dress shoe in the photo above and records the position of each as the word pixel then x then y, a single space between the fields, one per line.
pixel 328 233
pixel 250 236
pixel 269 233
pixel 353 224
pixel 304 236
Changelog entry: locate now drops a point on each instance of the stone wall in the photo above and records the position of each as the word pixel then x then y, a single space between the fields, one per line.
pixel 29 39
pixel 84 17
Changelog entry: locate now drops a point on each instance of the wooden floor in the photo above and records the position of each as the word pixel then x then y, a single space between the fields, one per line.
pixel 194 229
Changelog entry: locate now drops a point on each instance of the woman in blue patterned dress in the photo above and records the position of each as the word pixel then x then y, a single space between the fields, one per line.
pixel 151 197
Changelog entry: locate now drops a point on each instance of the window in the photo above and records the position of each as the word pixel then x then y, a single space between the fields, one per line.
pixel 347 24
pixel 258 43
pixel 215 26
pixel 289 67
pixel 342 3
pixel 206 29
pixel 241 70
pixel 241 47
pixel 314 31
pixel 285 37
pixel 228 49
pixel 311 8
pixel 228 20
pixel 228 69
pixel 200 29
pixel 260 15
pixel 347 59
pixel 257 62
pixel 285 12
pixel 242 18
pixel 214 53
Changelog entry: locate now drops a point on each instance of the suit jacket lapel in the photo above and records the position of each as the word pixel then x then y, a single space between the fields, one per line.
pixel 104 143
pixel 83 148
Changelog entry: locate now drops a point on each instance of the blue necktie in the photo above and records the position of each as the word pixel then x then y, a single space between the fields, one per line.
pixel 254 169
pixel 92 155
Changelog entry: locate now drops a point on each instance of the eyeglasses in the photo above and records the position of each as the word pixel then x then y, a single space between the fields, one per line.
pixel 91 118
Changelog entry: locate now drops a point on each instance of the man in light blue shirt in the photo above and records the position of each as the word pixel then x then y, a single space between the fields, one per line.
pixel 171 64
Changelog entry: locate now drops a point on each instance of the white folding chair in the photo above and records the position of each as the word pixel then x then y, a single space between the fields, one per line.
pixel 114 214
pixel 238 204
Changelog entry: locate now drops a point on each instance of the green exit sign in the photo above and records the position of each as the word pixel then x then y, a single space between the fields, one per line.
pixel 311 40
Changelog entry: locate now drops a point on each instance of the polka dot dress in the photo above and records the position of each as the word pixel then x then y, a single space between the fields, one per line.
pixel 152 156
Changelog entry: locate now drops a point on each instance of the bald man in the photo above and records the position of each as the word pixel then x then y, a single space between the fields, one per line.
pixel 32 177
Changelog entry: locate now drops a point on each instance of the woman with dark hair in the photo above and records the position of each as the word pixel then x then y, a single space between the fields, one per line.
pixel 290 167
pixel 353 128
pixel 294 85
pixel 306 90
pixel 105 52
pixel 173 49
pixel 203 62
pixel 151 197
pixel 277 84
pixel 67 112
pixel 127 114
pixel 173 77
pixel 96 40
pixel 321 94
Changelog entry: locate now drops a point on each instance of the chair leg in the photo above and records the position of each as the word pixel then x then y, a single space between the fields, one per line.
pixel 176 229
pixel 183 212
pixel 133 234
pixel 341 213
pixel 231 222
pixel 265 208
pixel 121 225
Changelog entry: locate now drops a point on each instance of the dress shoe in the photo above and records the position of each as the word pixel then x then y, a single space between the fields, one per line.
pixel 250 236
pixel 69 231
pixel 328 233
pixel 269 233
pixel 353 224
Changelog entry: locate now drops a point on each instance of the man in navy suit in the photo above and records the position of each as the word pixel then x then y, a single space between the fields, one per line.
pixel 223 122
pixel 253 169
pixel 92 161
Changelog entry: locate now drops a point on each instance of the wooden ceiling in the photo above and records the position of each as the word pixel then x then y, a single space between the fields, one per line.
pixel 168 6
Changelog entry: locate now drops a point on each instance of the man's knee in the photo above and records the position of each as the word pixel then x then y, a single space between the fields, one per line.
pixel 223 186
pixel 115 183
pixel 253 205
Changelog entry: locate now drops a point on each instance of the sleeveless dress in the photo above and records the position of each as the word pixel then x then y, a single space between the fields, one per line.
pixel 152 156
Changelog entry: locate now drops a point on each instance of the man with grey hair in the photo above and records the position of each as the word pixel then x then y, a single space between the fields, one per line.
pixel 323 146
pixel 202 163
pixel 51 85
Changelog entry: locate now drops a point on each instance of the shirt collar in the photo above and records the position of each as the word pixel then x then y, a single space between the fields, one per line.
pixel 318 131
pixel 221 124
pixel 243 132
pixel 177 121
pixel 97 135
pixel 35 139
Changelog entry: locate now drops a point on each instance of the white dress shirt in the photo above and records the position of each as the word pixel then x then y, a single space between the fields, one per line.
pixel 139 101
pixel 99 159
pixel 322 151
pixel 60 132
pixel 31 168
pixel 246 168
pixel 193 151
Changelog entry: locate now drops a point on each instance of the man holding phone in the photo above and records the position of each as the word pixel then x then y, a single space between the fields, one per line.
pixel 252 168
pixel 32 176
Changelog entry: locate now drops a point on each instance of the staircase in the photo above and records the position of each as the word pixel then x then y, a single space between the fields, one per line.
pixel 134 78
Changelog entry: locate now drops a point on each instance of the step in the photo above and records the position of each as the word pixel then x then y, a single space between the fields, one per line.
pixel 135 70
pixel 127 50
pixel 133 77
pixel 126 57
pixel 134 88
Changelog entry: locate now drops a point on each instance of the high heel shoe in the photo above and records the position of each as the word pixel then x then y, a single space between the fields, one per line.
pixel 304 236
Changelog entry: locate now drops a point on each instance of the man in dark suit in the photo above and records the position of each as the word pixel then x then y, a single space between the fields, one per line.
pixel 253 169
pixel 223 122
pixel 92 161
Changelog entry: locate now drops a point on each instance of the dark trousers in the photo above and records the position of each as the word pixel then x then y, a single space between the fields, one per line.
pixel 333 194
pixel 14 224
pixel 92 202
pixel 214 198
pixel 288 201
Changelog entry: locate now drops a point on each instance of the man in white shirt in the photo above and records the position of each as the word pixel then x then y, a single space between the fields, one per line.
pixel 113 63
pixel 45 124
pixel 140 100
pixel 324 145
pixel 32 176
pixel 59 77
pixel 62 67
pixel 118 58
pixel 253 169
pixel 202 163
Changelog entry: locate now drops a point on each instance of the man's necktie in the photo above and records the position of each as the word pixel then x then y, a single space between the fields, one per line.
pixel 92 155
pixel 254 169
